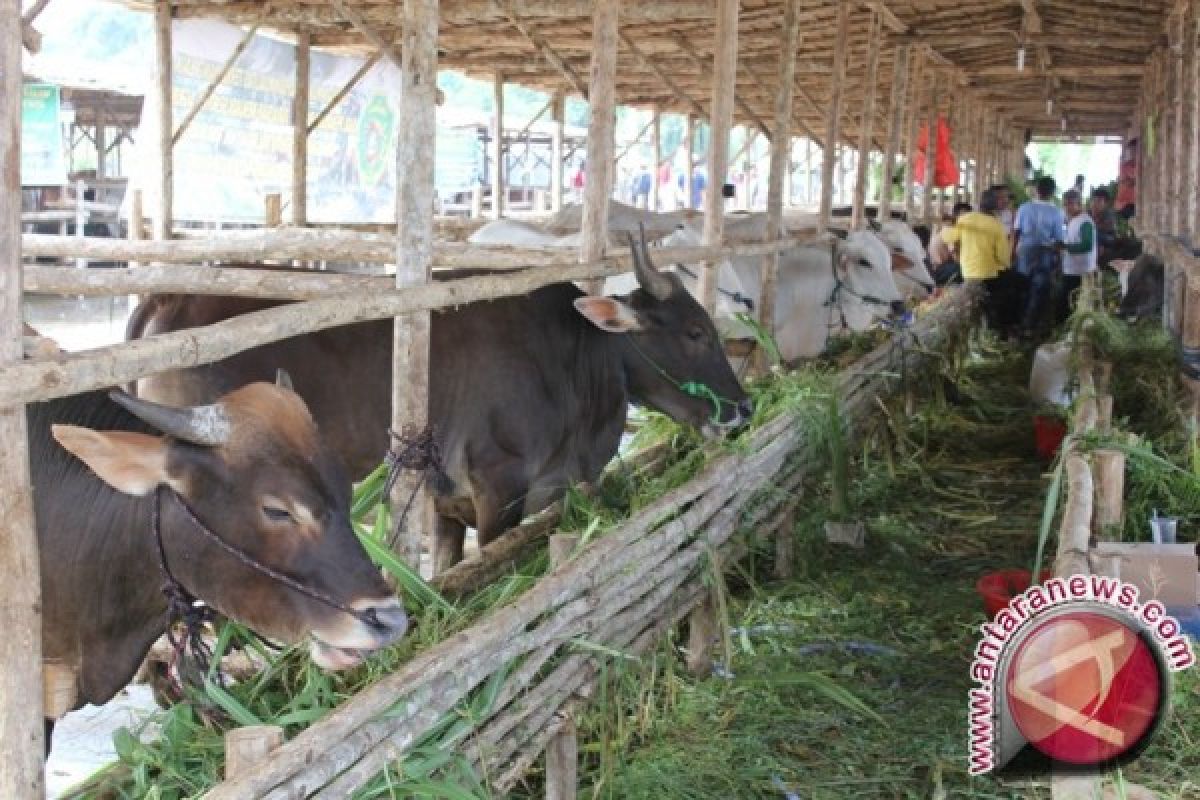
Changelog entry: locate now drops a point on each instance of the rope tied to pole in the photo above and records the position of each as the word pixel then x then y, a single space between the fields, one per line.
pixel 415 451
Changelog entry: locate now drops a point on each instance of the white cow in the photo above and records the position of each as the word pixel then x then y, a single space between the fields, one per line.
pixel 822 288
pixel 518 233
pixel 622 219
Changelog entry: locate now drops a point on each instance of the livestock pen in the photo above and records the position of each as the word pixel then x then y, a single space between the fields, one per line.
pixel 775 66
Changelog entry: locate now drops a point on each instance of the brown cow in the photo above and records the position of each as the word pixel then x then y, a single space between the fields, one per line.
pixel 252 470
pixel 528 394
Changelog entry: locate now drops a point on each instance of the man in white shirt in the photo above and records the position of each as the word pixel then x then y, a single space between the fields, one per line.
pixel 1078 250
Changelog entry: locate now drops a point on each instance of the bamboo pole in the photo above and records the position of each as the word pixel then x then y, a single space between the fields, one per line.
pixel 931 151
pixel 166 183
pixel 300 132
pixel 896 116
pixel 1191 165
pixel 498 170
pixel 137 223
pixel 347 87
pixel 912 131
pixel 656 146
pixel 602 91
pixel 559 112
pixel 208 90
pixel 781 143
pixel 724 85
pixel 867 125
pixel 689 168
pixel 1176 107
pixel 21 727
pixel 833 115
pixel 414 263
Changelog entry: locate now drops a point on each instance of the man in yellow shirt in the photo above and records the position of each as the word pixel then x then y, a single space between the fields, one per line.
pixel 985 254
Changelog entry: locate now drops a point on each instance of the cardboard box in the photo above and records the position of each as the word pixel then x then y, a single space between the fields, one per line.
pixel 1163 572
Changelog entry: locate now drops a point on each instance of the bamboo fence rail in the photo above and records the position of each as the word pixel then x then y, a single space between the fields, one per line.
pixel 620 592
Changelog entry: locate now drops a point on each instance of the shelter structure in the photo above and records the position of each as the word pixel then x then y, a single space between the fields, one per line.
pixel 862 74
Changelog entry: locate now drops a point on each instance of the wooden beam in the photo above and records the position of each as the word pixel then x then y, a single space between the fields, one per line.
pixel 656 145
pixel 781 145
pixel 868 121
pixel 300 132
pixel 724 88
pixel 931 153
pixel 543 47
pixel 166 183
pixel 498 166
pixel 197 106
pixel 666 79
pixel 602 95
pixel 21 726
pixel 358 75
pixel 363 26
pixel 896 116
pixel 1094 72
pixel 415 150
pixel 833 114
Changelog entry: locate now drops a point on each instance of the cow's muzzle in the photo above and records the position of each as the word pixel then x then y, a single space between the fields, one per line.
pixel 350 643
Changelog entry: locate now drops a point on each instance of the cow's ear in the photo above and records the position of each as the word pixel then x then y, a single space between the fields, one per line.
pixel 608 314
pixel 133 463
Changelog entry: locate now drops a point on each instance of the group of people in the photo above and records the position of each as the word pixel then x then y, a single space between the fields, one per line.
pixel 1031 261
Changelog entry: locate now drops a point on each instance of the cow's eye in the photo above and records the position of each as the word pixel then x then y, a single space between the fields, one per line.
pixel 696 334
pixel 862 262
pixel 277 514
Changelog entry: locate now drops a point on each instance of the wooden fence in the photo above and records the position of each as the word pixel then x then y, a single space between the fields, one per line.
pixel 621 592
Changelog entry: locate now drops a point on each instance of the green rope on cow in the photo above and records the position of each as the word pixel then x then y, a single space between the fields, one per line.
pixel 702 391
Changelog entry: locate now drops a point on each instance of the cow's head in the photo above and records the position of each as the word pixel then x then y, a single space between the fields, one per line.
pixel 255 472
pixel 674 361
pixel 907 258
pixel 863 265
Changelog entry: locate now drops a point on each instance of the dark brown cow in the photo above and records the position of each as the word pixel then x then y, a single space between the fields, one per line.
pixel 528 394
pixel 253 471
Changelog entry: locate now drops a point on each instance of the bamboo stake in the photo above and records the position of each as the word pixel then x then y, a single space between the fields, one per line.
pixel 300 132
pixel 166 183
pixel 21 726
pixel 216 81
pixel 598 183
pixel 896 117
pixel 833 115
pixel 414 264
pixel 498 166
pixel 780 152
pixel 724 86
pixel 866 126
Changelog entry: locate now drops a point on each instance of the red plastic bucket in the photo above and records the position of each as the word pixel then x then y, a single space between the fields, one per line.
pixel 1048 433
pixel 998 588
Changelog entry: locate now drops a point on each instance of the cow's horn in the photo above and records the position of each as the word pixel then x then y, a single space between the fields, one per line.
pixel 207 425
pixel 648 276
pixel 283 380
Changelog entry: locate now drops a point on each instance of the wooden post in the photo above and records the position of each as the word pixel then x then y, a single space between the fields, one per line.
pixel 273 210
pixel 415 150
pixel 101 140
pixel 781 145
pixel 896 110
pixel 498 176
pixel 931 150
pixel 60 688
pixel 1191 144
pixel 562 751
pixel 21 727
pixel 833 114
pixel 702 629
pixel 1176 106
pixel 477 201
pixel 137 220
pixel 808 170
pixel 248 746
pixel 913 128
pixel 166 182
pixel 602 96
pixel 300 133
pixel 724 84
pixel 656 146
pixel 559 112
pixel 866 127
pixel 689 169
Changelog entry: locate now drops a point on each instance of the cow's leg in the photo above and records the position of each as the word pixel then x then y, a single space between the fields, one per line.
pixel 447 543
pixel 499 504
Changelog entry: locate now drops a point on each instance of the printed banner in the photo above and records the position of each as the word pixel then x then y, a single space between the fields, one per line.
pixel 43 162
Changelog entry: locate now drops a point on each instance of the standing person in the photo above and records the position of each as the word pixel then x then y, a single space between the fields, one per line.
pixel 1105 220
pixel 1004 210
pixel 1127 181
pixel 984 254
pixel 699 184
pixel 1039 229
pixel 577 181
pixel 1078 187
pixel 664 182
pixel 642 183
pixel 1078 249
